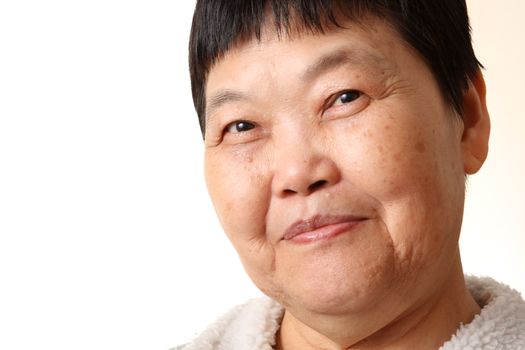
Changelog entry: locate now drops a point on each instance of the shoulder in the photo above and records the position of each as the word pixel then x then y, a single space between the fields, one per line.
pixel 252 325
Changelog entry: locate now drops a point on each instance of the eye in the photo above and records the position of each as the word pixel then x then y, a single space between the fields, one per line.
pixel 346 97
pixel 345 104
pixel 239 126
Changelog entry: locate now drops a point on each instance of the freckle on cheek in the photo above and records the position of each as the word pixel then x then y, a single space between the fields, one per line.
pixel 420 147
pixel 398 157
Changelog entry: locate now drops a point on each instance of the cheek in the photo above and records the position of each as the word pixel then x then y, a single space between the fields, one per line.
pixel 238 190
pixel 238 187
pixel 385 158
pixel 411 170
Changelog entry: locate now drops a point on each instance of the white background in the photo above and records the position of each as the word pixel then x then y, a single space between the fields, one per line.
pixel 107 237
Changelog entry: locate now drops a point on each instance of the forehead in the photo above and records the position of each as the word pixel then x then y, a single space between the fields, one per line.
pixel 367 46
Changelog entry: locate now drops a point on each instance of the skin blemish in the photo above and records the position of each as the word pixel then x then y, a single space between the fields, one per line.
pixel 398 157
pixel 420 147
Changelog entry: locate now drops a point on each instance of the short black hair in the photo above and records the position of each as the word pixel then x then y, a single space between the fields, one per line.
pixel 438 29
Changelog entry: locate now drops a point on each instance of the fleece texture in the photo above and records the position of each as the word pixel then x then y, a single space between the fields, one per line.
pixel 499 326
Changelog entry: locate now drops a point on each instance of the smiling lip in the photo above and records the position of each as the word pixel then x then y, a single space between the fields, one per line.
pixel 320 228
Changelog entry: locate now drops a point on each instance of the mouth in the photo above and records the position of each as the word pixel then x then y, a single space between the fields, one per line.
pixel 321 228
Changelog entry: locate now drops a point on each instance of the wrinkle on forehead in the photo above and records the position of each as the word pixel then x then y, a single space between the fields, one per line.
pixel 331 59
pixel 342 56
pixel 361 54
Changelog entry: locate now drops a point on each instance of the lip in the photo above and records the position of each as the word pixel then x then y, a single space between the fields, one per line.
pixel 320 228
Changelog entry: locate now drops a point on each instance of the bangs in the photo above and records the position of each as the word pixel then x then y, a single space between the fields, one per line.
pixel 223 24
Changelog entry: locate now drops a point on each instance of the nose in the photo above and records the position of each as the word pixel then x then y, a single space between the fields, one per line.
pixel 302 168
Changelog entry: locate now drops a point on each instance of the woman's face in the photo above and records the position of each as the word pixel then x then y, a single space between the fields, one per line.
pixel 335 167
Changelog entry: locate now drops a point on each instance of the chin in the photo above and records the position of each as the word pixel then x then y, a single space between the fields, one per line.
pixel 337 291
pixel 339 279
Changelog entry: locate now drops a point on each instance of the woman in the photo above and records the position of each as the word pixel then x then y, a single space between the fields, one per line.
pixel 338 136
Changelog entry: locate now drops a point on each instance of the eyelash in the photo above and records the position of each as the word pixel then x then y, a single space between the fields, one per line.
pixel 238 123
pixel 355 93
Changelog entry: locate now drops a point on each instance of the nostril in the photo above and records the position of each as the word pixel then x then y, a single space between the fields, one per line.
pixel 288 192
pixel 316 185
pixel 304 190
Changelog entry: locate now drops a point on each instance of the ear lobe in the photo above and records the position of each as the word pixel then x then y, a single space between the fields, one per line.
pixel 476 130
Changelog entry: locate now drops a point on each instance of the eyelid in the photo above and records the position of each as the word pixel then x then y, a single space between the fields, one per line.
pixel 333 99
pixel 254 133
pixel 233 123
pixel 346 109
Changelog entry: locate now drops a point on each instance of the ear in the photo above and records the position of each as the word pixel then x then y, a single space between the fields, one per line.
pixel 476 126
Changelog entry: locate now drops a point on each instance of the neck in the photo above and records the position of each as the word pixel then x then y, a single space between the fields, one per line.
pixel 426 325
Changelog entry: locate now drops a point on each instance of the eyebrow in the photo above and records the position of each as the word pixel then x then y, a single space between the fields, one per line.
pixel 223 97
pixel 337 58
